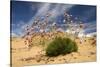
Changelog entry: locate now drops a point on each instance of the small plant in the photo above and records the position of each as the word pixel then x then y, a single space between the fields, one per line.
pixel 61 46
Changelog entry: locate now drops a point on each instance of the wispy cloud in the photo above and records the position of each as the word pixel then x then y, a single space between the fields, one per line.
pixel 91 34
pixel 17 29
pixel 44 8
pixel 90 26
pixel 57 10
pixel 14 34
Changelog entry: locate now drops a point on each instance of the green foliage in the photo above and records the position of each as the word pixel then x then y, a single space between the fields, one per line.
pixel 61 46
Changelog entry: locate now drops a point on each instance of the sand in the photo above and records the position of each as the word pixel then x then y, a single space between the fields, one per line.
pixel 21 56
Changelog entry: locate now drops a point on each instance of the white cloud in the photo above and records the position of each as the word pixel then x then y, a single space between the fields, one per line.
pixel 57 10
pixel 17 29
pixel 14 35
pixel 91 34
pixel 43 9
pixel 90 26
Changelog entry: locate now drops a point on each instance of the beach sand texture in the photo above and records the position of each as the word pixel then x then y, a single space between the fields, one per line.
pixel 21 56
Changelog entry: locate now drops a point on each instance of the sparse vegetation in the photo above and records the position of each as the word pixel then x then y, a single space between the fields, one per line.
pixel 61 46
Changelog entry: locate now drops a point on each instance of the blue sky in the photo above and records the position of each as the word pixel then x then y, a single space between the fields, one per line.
pixel 23 13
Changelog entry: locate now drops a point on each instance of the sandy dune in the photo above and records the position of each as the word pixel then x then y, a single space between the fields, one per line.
pixel 21 56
